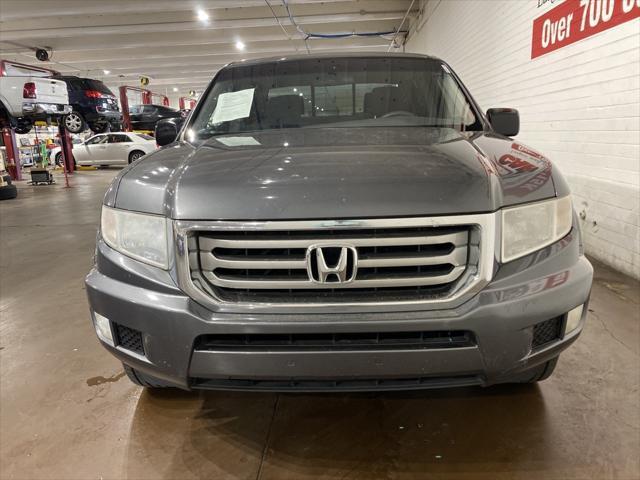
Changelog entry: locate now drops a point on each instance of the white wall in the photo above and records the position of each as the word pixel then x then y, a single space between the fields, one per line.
pixel 579 105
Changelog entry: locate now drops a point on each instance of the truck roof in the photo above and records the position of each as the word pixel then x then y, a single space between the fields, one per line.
pixel 288 58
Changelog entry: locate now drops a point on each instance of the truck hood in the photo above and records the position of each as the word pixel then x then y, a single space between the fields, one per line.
pixel 335 173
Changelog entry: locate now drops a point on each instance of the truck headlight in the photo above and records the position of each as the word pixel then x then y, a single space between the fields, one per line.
pixel 528 228
pixel 137 235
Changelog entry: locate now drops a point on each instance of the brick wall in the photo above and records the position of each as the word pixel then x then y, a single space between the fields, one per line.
pixel 579 105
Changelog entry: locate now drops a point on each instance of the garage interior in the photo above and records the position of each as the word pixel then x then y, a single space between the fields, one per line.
pixel 67 410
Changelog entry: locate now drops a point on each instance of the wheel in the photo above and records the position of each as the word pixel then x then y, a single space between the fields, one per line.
pixel 74 122
pixel 23 126
pixel 60 161
pixel 142 379
pixel 100 127
pixel 538 373
pixel 135 155
pixel 8 191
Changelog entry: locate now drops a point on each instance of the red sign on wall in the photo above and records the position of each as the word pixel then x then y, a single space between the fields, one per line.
pixel 575 20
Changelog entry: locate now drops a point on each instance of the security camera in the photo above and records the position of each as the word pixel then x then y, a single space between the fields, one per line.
pixel 42 55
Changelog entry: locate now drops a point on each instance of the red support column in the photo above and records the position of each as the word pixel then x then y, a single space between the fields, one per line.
pixel 186 102
pixel 66 147
pixel 124 104
pixel 13 154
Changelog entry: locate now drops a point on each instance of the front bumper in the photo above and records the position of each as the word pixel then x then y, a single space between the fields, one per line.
pixel 536 288
pixel 44 109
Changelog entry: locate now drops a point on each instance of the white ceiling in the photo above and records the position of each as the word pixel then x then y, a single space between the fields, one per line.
pixel 164 40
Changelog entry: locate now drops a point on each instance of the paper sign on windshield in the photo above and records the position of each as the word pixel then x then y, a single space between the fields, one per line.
pixel 233 105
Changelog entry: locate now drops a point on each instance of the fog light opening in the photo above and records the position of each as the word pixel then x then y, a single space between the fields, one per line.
pixel 103 328
pixel 573 319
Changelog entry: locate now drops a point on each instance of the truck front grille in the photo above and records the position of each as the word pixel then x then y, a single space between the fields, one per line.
pixel 380 264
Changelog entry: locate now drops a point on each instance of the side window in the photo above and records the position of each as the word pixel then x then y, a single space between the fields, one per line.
pixel 96 140
pixel 149 109
pixel 118 138
pixel 76 85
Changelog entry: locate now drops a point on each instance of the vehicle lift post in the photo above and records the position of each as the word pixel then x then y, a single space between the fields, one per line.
pixel 13 155
pixel 182 102
pixel 146 97
pixel 66 148
pixel 165 99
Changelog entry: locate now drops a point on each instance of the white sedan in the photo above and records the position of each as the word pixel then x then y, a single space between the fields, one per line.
pixel 120 148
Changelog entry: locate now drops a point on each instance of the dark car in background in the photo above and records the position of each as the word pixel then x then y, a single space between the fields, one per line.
pixel 145 117
pixel 94 106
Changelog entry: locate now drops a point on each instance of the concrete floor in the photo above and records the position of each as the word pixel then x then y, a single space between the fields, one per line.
pixel 67 412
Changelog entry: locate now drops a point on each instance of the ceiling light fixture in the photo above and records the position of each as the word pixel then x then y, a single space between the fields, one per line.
pixel 202 15
pixel 175 89
pixel 106 72
pixel 240 45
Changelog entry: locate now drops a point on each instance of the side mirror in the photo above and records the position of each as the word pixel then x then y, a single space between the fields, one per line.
pixel 166 131
pixel 505 121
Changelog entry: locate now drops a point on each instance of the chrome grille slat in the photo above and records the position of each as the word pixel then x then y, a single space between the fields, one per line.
pixel 457 239
pixel 211 262
pixel 266 284
pixel 456 258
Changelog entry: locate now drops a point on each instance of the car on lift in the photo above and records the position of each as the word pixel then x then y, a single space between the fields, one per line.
pixel 94 106
pixel 339 222
pixel 29 94
pixel 145 117
pixel 105 149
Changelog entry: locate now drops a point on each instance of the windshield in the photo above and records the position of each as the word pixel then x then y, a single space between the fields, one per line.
pixel 376 91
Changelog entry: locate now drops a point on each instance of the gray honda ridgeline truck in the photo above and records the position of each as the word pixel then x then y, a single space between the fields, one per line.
pixel 339 223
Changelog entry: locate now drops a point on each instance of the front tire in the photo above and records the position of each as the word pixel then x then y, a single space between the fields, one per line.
pixel 74 123
pixel 537 373
pixel 60 161
pixel 135 155
pixel 142 379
